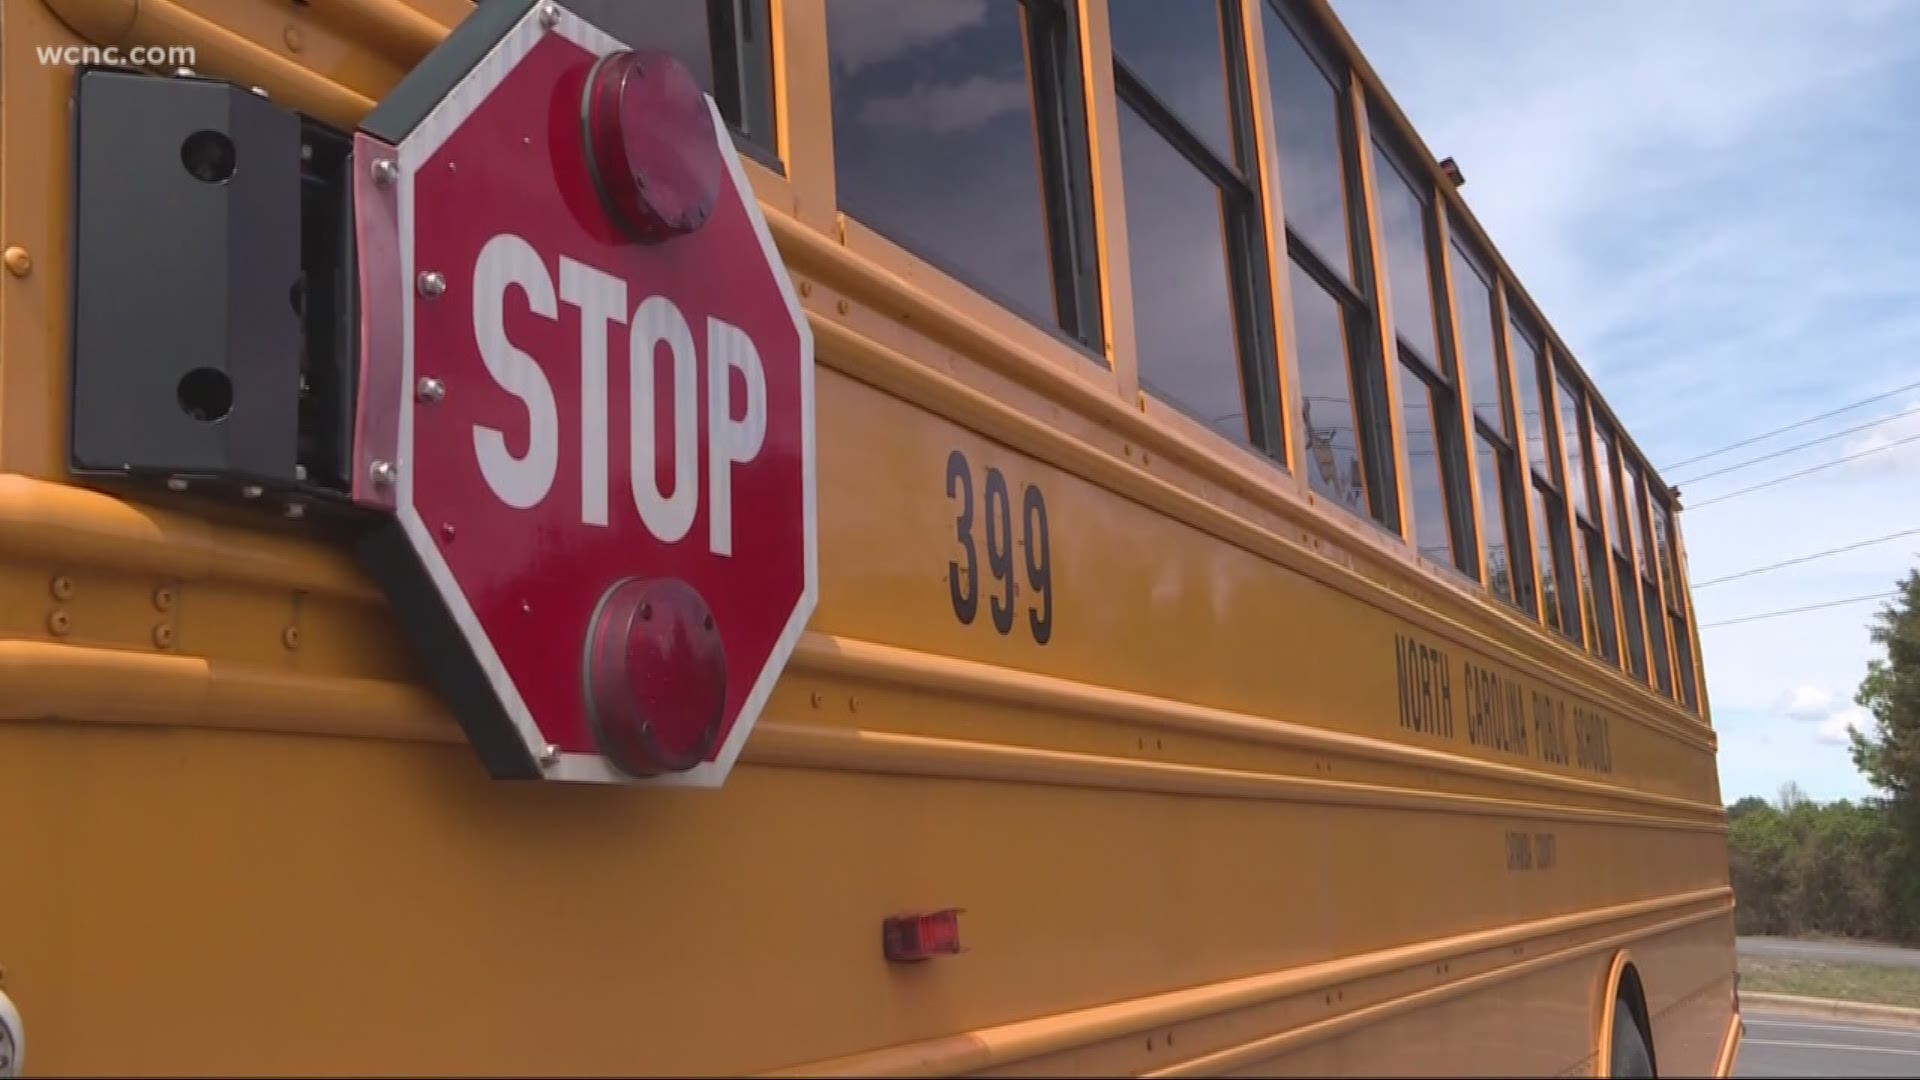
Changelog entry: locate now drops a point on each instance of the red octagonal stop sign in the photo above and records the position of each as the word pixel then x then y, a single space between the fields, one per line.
pixel 586 403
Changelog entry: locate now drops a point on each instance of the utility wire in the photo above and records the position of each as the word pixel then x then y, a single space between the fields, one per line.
pixel 1798 610
pixel 1797 446
pixel 1808 558
pixel 1805 472
pixel 1792 426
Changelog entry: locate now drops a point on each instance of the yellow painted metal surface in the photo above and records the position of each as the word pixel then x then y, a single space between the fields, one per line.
pixel 1242 789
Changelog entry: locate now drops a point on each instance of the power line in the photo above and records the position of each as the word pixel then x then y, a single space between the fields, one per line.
pixel 1806 472
pixel 1790 427
pixel 1798 446
pixel 1798 610
pixel 1808 558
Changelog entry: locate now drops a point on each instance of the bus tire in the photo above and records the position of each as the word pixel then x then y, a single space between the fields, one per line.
pixel 1630 1054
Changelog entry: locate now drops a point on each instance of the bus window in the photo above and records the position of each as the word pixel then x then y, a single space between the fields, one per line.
pixel 1331 321
pixel 1502 506
pixel 1193 223
pixel 967 146
pixel 726 44
pixel 1434 447
pixel 1559 596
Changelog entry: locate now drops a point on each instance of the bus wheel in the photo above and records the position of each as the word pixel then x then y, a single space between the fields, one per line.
pixel 1630 1056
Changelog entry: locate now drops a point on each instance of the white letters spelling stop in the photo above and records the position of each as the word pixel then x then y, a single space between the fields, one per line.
pixel 507 261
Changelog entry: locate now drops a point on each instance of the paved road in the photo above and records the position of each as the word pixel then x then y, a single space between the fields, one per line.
pixel 1829 951
pixel 1780 1045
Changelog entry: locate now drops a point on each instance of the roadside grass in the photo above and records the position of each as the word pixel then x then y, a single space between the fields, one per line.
pixel 1878 983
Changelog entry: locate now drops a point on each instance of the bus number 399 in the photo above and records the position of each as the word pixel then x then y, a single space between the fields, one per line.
pixel 989 524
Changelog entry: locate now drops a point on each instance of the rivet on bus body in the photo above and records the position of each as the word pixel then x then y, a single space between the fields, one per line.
pixel 62 586
pixel 295 39
pixel 549 16
pixel 290 637
pixel 58 623
pixel 432 283
pixel 163 635
pixel 384 472
pixel 19 263
pixel 163 598
pixel 385 172
pixel 431 390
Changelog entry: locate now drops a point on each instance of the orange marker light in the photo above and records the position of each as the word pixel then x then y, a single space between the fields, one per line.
pixel 908 938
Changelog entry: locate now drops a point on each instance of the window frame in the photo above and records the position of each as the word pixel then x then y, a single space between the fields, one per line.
pixel 1242 210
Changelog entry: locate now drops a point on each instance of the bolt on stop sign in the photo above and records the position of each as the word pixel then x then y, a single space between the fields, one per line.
pixel 585 407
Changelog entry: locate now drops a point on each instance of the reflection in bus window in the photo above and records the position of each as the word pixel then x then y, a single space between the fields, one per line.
pixel 1474 298
pixel 1525 351
pixel 941 143
pixel 1179 52
pixel 1431 533
pixel 725 44
pixel 1306 121
pixel 1403 235
pixel 1502 566
pixel 1182 298
pixel 1558 603
pixel 1573 439
pixel 1329 424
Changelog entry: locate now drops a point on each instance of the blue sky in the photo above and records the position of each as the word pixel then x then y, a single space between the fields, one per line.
pixel 1717 205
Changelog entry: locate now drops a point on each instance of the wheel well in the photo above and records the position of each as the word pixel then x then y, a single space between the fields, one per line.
pixel 1634 996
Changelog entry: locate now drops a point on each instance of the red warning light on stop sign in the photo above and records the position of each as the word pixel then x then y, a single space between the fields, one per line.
pixel 602 460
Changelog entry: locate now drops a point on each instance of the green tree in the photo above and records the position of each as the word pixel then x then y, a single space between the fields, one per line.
pixel 1889 753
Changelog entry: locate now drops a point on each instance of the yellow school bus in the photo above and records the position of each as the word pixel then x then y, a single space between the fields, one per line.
pixel 1246 641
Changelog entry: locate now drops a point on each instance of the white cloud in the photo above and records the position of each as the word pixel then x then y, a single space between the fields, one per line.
pixel 949 108
pixel 1893 446
pixel 1836 729
pixel 867 32
pixel 1808 702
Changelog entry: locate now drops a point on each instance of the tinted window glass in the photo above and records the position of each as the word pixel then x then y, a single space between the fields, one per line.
pixel 726 44
pixel 1662 537
pixel 935 140
pixel 1630 614
pixel 1550 531
pixel 1597 598
pixel 1501 573
pixel 1306 110
pixel 1329 423
pixel 1474 298
pixel 1182 300
pixel 1426 480
pixel 1603 473
pixel 1176 49
pixel 1683 659
pixel 1657 631
pixel 1573 439
pixel 1403 234
pixel 1533 403
pixel 1637 504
